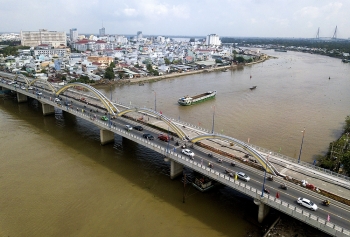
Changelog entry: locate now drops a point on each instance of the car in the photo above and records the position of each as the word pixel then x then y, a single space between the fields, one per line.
pixel 39 93
pixel 128 127
pixel 30 88
pixel 57 100
pixel 188 152
pixel 104 118
pixel 163 137
pixel 139 128
pixel 243 176
pixel 148 136
pixel 307 203
pixel 10 82
pixel 68 104
pixel 23 88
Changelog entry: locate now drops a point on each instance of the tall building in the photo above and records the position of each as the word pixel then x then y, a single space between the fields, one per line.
pixel 213 39
pixel 43 36
pixel 139 35
pixel 73 34
pixel 102 31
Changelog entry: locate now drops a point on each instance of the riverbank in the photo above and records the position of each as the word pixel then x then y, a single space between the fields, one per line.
pixel 143 80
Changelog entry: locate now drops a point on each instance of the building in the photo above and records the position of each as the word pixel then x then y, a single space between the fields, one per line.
pixel 73 34
pixel 102 31
pixel 43 36
pixel 139 35
pixel 48 51
pixel 213 39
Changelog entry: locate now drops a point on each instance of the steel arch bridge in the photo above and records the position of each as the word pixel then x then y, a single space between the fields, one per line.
pixel 43 82
pixel 27 81
pixel 111 108
pixel 173 126
pixel 263 161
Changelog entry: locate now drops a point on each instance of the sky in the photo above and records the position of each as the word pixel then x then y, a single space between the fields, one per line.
pixel 235 18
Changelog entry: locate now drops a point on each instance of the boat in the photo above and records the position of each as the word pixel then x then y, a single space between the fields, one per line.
pixel 280 50
pixel 203 183
pixel 189 100
pixel 252 88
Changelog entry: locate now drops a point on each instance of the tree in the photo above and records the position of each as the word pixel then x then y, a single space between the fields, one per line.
pixel 149 67
pixel 240 59
pixel 167 61
pixel 218 61
pixel 109 74
pixel 345 161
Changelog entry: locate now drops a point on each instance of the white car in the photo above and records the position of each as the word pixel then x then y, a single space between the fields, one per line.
pixel 30 88
pixel 23 88
pixel 39 93
pixel 307 203
pixel 57 100
pixel 243 176
pixel 188 152
pixel 128 127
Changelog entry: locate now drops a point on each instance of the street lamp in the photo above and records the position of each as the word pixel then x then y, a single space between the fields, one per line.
pixel 301 146
pixel 263 187
pixel 212 128
pixel 155 101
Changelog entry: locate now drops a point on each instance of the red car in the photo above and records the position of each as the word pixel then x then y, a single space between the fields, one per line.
pixel 163 137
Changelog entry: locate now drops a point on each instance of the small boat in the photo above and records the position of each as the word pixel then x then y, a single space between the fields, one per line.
pixel 141 84
pixel 280 50
pixel 224 70
pixel 252 88
pixel 188 100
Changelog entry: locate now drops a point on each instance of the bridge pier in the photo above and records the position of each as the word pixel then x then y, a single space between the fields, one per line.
pixel 106 136
pixel 47 109
pixel 21 98
pixel 175 169
pixel 263 210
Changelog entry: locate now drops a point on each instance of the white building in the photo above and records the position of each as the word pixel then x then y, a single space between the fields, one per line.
pixel 50 52
pixel 35 38
pixel 139 35
pixel 73 34
pixel 213 39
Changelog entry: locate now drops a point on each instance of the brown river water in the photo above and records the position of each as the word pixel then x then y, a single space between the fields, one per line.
pixel 57 180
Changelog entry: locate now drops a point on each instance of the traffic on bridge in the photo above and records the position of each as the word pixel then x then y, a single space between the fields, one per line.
pixel 267 187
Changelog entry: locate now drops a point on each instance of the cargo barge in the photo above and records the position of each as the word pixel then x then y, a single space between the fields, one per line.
pixel 189 100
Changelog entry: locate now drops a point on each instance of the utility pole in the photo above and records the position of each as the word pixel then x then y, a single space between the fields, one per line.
pixel 184 196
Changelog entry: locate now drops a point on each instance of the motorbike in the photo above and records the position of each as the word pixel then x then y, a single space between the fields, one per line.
pixel 326 203
pixel 191 146
pixel 176 143
pixel 210 165
pixel 270 178
pixel 219 160
pixel 210 155
pixel 233 164
pixel 266 191
pixel 283 186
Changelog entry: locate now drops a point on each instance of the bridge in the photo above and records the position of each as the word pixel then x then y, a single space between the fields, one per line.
pixel 120 115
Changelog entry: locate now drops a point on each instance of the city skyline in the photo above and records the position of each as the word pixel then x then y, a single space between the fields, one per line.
pixel 254 18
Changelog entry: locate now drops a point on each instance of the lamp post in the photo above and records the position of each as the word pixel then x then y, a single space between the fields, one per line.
pixel 212 128
pixel 155 101
pixel 263 187
pixel 301 146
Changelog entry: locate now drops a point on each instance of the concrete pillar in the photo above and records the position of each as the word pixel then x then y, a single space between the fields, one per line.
pixel 47 109
pixel 263 211
pixel 175 169
pixel 21 98
pixel 106 136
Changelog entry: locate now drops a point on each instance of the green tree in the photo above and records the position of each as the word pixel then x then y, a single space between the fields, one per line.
pixel 240 59
pixel 167 61
pixel 345 161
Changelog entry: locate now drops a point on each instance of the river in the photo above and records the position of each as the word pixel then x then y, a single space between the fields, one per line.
pixel 57 180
